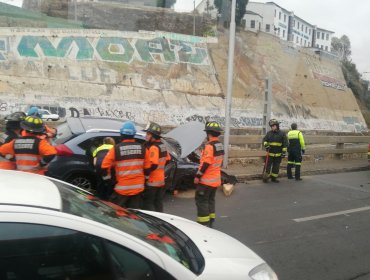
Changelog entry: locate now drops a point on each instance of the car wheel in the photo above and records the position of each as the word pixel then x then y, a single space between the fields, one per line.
pixel 83 181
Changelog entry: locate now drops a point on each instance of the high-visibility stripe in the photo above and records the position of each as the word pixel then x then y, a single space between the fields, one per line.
pixel 4 159
pixel 277 144
pixel 291 162
pixel 34 158
pixel 275 155
pixel 212 215
pixel 274 175
pixel 123 188
pixel 216 165
pixel 27 167
pixel 203 219
pixel 130 172
pixel 210 180
pixel 131 163
pixel 156 184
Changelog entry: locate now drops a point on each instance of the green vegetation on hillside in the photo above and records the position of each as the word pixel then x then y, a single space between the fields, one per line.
pixel 11 16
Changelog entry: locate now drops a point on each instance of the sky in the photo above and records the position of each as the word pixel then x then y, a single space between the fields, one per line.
pixel 344 17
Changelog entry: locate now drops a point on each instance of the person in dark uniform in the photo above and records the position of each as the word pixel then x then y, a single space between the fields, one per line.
pixel 296 149
pixel 275 142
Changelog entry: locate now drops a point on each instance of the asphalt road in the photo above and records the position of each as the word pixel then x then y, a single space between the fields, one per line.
pixel 316 229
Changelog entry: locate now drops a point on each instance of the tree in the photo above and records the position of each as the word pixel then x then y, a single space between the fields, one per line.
pixel 165 3
pixel 241 6
pixel 342 47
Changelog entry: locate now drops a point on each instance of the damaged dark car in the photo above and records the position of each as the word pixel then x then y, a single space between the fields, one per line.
pixel 78 137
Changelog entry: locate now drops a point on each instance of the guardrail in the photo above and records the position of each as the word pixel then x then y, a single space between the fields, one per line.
pixel 251 145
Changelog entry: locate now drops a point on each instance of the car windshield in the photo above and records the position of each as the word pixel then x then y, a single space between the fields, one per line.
pixel 152 230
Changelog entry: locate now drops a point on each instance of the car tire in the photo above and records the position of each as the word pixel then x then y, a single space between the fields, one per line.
pixel 83 181
pixel 48 120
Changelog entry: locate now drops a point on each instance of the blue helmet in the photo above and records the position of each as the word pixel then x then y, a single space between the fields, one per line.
pixel 33 111
pixel 128 128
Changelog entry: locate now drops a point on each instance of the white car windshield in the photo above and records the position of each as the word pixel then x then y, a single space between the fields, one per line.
pixel 152 230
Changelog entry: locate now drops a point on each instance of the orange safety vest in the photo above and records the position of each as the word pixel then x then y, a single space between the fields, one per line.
pixel 213 154
pixel 156 154
pixel 128 159
pixel 5 162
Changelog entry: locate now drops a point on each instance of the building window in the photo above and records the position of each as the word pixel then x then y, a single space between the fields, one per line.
pixel 327 37
pixel 301 41
pixel 322 35
pixel 302 27
pixel 283 33
pixel 318 35
pixel 284 18
pixel 267 27
pixel 322 47
pixel 297 40
pixel 306 29
pixel 275 14
pixel 293 22
pixel 305 42
pixel 326 48
pixel 317 45
pixel 298 24
pixel 309 31
pixel 279 15
pixel 253 24
pixel 292 37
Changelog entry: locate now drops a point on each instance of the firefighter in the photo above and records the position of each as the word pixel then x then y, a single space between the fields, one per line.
pixel 50 132
pixel 104 188
pixel 275 143
pixel 31 153
pixel 208 176
pixel 156 158
pixel 296 149
pixel 127 159
pixel 12 131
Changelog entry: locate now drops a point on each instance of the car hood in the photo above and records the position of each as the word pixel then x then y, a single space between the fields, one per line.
pixel 190 136
pixel 213 244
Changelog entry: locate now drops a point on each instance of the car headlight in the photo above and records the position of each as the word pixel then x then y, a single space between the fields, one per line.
pixel 262 272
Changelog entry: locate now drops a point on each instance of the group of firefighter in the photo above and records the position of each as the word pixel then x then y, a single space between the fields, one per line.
pixel 132 174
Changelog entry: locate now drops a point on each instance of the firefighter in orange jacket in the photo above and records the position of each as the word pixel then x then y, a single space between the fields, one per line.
pixel 156 157
pixel 208 176
pixel 13 131
pixel 31 153
pixel 127 159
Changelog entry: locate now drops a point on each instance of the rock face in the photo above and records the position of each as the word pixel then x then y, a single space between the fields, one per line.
pixel 171 78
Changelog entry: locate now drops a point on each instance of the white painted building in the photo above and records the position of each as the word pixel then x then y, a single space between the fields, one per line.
pixel 286 25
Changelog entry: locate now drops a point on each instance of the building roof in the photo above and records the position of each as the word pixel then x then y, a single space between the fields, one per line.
pixel 252 13
pixel 273 3
pixel 310 24
pixel 322 29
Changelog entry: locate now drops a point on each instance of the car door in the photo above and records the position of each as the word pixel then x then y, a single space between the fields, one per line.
pixel 38 251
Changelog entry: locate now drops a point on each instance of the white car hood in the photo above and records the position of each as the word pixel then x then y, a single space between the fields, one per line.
pixel 217 248
pixel 190 136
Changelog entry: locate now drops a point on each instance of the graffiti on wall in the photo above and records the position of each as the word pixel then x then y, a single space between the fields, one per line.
pixel 325 75
pixel 109 49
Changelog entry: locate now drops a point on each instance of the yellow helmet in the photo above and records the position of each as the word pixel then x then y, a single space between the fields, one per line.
pixel 213 126
pixel 33 124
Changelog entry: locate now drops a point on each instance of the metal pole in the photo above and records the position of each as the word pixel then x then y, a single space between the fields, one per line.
pixel 194 19
pixel 230 74
pixel 75 6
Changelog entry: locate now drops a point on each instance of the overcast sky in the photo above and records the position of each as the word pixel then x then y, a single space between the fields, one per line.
pixel 351 18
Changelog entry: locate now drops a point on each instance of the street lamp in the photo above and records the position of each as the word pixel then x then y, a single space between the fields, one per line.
pixel 230 74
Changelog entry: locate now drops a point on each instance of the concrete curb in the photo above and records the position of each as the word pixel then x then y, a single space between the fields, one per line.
pixel 250 177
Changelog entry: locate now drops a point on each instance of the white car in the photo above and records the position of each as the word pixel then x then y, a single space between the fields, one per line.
pixel 53 230
pixel 48 116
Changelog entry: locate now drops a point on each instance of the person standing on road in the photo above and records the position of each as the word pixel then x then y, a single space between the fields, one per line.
pixel 127 159
pixel 275 143
pixel 156 158
pixel 296 149
pixel 208 177
pixel 31 153
pixel 12 131
pixel 104 188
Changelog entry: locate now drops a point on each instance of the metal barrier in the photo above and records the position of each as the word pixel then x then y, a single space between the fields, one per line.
pixel 250 145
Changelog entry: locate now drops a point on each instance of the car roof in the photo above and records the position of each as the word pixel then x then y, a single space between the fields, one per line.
pixel 85 124
pixel 27 189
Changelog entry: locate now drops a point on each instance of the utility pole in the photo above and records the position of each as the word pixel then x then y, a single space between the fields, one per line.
pixel 194 19
pixel 75 8
pixel 230 74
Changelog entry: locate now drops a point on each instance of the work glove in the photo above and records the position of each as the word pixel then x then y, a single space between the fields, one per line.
pixel 303 151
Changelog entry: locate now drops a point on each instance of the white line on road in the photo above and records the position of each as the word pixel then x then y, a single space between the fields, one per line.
pixel 323 216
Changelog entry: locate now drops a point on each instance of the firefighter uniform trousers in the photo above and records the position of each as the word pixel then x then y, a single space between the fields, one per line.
pixel 273 165
pixel 209 182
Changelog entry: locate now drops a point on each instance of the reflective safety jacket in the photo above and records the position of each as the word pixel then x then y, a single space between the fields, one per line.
pixel 277 141
pixel 5 163
pixel 100 153
pixel 156 154
pixel 127 158
pixel 31 153
pixel 296 141
pixel 213 155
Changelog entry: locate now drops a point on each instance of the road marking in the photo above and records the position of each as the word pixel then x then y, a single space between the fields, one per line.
pixel 323 216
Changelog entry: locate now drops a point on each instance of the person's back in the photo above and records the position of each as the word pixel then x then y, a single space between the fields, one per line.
pixel 295 150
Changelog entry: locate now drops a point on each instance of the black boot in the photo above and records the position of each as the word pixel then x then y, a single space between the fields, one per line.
pixel 211 222
pixel 298 173
pixel 275 180
pixel 289 171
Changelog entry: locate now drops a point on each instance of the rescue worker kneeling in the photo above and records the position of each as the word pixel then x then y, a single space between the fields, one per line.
pixel 127 159
pixel 156 158
pixel 208 176
pixel 13 131
pixel 31 153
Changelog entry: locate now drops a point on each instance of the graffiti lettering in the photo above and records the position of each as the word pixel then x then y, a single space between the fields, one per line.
pixel 2 49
